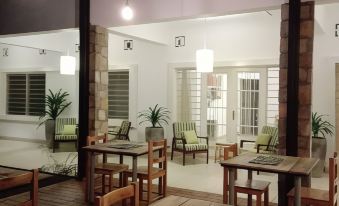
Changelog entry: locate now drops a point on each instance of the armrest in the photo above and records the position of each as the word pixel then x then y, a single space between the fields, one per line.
pixel 206 138
pixel 242 142
pixel 182 139
pixel 261 145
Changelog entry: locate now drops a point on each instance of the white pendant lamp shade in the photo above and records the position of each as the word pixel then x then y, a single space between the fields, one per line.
pixel 67 65
pixel 127 13
pixel 204 60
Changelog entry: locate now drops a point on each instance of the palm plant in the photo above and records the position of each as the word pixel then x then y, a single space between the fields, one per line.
pixel 155 116
pixel 320 126
pixel 55 104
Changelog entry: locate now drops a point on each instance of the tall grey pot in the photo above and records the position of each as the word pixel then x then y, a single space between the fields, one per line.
pixel 154 133
pixel 319 147
pixel 49 132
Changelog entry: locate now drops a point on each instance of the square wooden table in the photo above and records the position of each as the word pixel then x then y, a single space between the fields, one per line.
pixel 297 166
pixel 92 150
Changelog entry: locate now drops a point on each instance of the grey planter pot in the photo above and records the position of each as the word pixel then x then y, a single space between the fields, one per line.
pixel 154 133
pixel 319 147
pixel 49 132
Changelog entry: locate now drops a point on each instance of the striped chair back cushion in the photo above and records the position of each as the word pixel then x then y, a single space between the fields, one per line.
pixel 179 127
pixel 125 125
pixel 273 131
pixel 60 122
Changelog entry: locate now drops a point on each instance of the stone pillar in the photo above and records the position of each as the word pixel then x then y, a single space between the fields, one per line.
pixel 98 80
pixel 305 78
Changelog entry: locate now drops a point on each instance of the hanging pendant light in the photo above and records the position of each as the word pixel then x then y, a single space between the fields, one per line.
pixel 67 65
pixel 126 12
pixel 204 57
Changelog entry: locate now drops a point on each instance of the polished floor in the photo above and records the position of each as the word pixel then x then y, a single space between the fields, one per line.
pixel 196 175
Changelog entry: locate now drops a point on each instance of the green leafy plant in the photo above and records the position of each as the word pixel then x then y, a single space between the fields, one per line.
pixel 67 167
pixel 321 126
pixel 155 116
pixel 55 104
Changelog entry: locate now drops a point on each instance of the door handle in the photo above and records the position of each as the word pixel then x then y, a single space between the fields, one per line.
pixel 233 114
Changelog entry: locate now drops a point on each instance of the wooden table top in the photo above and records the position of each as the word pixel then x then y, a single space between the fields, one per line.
pixel 183 201
pixel 290 165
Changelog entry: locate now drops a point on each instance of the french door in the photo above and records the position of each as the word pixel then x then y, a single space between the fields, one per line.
pixel 232 102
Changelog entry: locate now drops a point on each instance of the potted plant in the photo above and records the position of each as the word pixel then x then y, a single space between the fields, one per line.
pixel 156 116
pixel 320 128
pixel 55 104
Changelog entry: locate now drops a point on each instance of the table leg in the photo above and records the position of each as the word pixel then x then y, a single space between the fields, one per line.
pixel 91 177
pixel 121 161
pixel 135 168
pixel 225 186
pixel 231 185
pixel 249 197
pixel 297 188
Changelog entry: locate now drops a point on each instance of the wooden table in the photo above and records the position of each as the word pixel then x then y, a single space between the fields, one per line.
pixel 184 201
pixel 104 148
pixel 297 166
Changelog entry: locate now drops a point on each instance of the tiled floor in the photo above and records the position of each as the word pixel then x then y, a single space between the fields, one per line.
pixel 196 175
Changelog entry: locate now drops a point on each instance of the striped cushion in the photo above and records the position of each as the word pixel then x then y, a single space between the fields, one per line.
pixel 193 147
pixel 66 137
pixel 179 127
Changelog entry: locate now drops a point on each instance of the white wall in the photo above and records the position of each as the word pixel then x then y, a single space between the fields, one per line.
pixel 29 60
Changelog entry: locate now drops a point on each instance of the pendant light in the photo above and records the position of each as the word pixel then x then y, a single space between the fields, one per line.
pixel 67 64
pixel 204 57
pixel 126 12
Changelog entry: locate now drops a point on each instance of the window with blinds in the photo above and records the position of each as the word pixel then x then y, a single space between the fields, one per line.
pixel 118 94
pixel 26 94
pixel 272 96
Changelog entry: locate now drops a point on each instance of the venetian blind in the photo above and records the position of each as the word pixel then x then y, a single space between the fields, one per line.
pixel 118 94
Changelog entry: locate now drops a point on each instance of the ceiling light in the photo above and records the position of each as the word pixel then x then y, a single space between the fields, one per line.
pixel 67 65
pixel 126 12
pixel 204 57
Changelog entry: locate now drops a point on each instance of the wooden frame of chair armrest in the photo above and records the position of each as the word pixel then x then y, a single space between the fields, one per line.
pixel 262 145
pixel 204 138
pixel 244 140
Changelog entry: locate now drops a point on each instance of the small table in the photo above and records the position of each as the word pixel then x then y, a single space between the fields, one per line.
pixel 183 201
pixel 297 166
pixel 218 149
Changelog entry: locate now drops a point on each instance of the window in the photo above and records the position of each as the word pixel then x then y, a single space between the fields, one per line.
pixel 118 94
pixel 26 94
pixel 272 96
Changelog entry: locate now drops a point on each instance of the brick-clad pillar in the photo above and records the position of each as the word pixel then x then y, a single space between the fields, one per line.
pixel 305 78
pixel 98 79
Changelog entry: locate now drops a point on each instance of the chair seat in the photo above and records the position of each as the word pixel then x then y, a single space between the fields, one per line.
pixel 60 137
pixel 310 193
pixel 110 168
pixel 143 170
pixel 193 147
pixel 252 184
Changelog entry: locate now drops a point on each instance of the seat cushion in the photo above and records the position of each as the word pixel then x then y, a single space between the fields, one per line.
pixel 190 137
pixel 69 130
pixel 263 139
pixel 66 137
pixel 193 147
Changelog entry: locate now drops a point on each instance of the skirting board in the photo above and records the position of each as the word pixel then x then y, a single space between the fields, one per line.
pixel 23 139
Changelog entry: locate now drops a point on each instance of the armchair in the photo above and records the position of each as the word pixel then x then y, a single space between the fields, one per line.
pixel 179 143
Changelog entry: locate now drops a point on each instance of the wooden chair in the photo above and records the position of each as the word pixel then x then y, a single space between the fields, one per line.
pixel 23 179
pixel 179 143
pixel 106 169
pixel 250 187
pixel 59 128
pixel 270 148
pixel 150 172
pixel 310 196
pixel 123 131
pixel 129 192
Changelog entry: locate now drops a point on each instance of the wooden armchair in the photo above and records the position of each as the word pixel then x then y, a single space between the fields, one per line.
pixel 264 148
pixel 130 192
pixel 122 133
pixel 23 179
pixel 310 196
pixel 179 143
pixel 61 136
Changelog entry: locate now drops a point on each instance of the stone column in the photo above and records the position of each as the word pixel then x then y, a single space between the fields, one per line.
pixel 305 78
pixel 98 79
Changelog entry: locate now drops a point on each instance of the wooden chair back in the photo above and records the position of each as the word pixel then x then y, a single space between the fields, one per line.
pixel 130 192
pixel 23 179
pixel 124 130
pixel 333 179
pixel 92 140
pixel 179 127
pixel 161 158
pixel 232 148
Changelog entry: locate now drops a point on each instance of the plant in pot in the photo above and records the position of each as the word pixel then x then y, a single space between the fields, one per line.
pixel 320 128
pixel 55 104
pixel 156 116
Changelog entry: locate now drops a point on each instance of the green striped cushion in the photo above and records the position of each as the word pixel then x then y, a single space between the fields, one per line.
pixel 273 131
pixel 66 137
pixel 193 147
